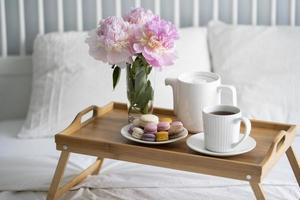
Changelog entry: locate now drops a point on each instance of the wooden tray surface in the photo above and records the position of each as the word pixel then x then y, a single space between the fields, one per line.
pixel 103 131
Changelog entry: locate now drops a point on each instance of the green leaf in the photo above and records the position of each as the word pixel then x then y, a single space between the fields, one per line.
pixel 130 84
pixel 145 109
pixel 116 76
pixel 144 98
pixel 151 92
pixel 140 80
pixel 149 69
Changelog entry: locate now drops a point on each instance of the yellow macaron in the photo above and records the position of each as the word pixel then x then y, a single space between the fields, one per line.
pixel 162 136
pixel 165 119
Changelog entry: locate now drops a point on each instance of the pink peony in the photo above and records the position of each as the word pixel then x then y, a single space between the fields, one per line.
pixel 110 41
pixel 139 16
pixel 155 40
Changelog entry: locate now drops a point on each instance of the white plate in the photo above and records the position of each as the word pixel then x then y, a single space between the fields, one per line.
pixel 196 143
pixel 126 134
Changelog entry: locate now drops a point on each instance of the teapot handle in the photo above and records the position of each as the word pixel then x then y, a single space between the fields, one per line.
pixel 233 92
pixel 173 83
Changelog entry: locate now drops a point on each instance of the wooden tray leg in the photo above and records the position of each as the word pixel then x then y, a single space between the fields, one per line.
pixel 55 191
pixel 258 191
pixel 294 162
pixel 59 172
pixel 100 160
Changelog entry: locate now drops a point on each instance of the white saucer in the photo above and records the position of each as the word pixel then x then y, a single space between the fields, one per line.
pixel 126 134
pixel 196 143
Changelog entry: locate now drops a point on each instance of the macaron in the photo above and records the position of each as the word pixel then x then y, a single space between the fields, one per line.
pixel 177 124
pixel 175 128
pixel 152 132
pixel 163 126
pixel 148 118
pixel 137 133
pixel 148 137
pixel 177 135
pixel 130 129
pixel 162 136
pixel 165 119
pixel 150 127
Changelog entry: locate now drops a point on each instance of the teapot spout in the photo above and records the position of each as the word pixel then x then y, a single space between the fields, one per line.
pixel 173 83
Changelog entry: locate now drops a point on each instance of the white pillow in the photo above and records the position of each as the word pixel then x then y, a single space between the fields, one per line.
pixel 193 55
pixel 65 81
pixel 264 65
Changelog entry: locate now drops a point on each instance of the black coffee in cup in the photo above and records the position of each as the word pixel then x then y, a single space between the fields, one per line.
pixel 222 113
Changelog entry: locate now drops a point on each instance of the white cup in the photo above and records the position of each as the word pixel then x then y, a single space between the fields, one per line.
pixel 222 128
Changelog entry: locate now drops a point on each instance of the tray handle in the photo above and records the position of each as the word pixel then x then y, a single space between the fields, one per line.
pixel 79 116
pixel 277 147
pixel 279 142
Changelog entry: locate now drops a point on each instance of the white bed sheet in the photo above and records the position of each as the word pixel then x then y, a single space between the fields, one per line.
pixel 29 164
pixel 240 192
pixel 123 180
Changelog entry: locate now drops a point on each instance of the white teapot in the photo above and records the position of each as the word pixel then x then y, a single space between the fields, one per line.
pixel 192 92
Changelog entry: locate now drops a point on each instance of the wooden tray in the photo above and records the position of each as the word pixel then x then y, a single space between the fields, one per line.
pixel 100 136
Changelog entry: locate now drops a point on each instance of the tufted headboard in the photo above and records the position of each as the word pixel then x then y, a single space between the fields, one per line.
pixel 22 20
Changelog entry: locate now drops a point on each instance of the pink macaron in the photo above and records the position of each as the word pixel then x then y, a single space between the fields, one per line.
pixel 150 128
pixel 177 124
pixel 175 128
pixel 152 132
pixel 163 126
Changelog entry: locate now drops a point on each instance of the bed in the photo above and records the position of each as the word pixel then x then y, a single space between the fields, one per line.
pixel 27 165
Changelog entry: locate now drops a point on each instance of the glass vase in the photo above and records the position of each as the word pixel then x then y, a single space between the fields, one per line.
pixel 140 88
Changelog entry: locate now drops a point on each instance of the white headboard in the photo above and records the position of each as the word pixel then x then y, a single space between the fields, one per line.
pixel 22 19
pixel 15 61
